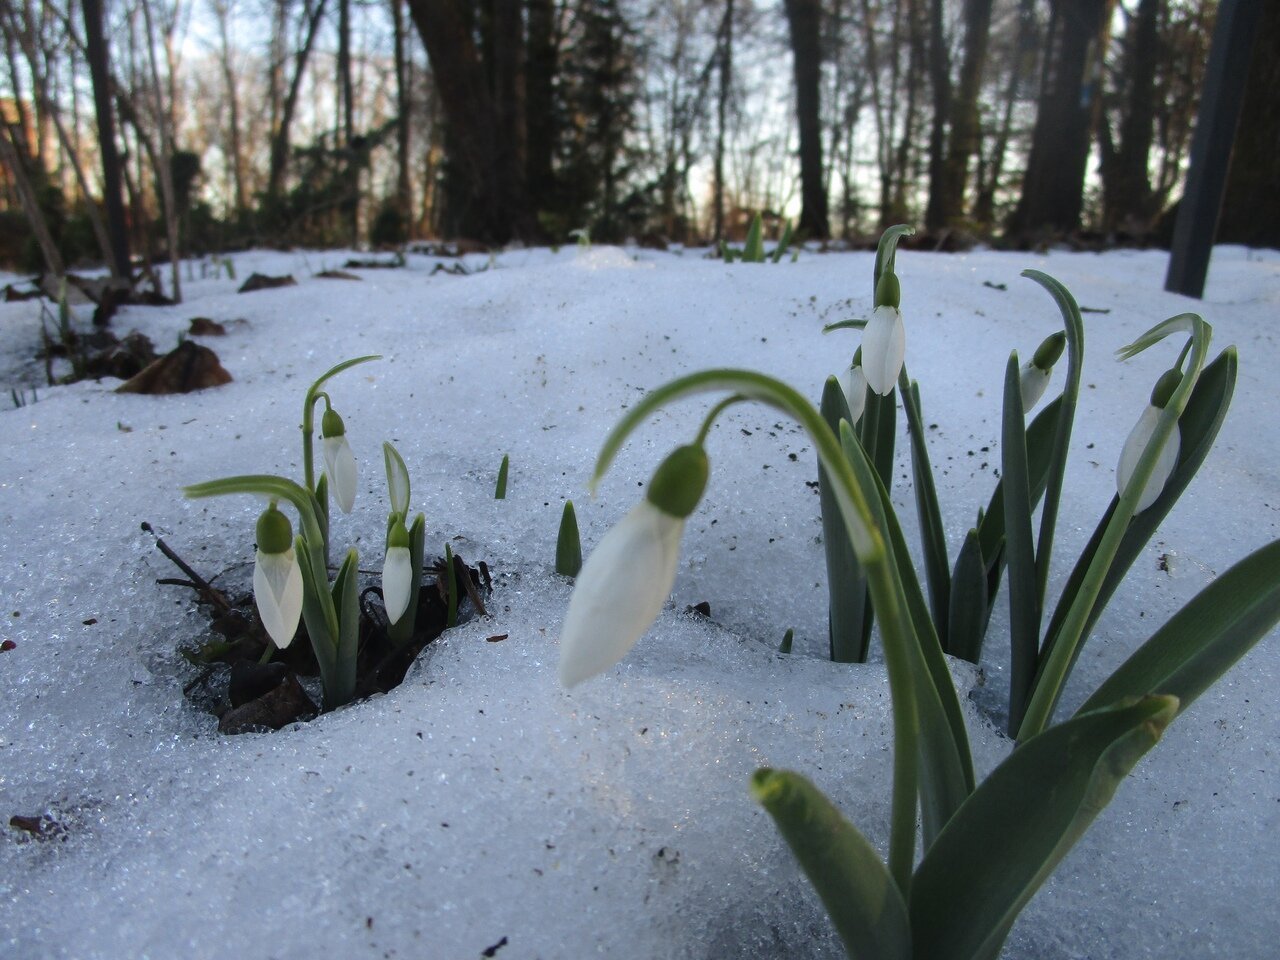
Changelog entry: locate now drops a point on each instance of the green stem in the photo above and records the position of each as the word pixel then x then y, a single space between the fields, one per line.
pixel 711 416
pixel 1049 685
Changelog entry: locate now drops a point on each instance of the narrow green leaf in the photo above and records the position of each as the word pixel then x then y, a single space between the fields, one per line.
pixel 500 490
pixel 397 479
pixel 324 642
pixel 787 639
pixel 1024 611
pixel 945 764
pixel 1205 638
pixel 968 620
pixel 1039 449
pixel 1199 426
pixel 783 242
pixel 346 600
pixel 401 632
pixel 1074 325
pixel 887 250
pixel 877 431
pixel 1016 827
pixel 856 323
pixel 753 249
pixel 861 898
pixel 848 602
pixel 450 589
pixel 568 543
pixel 933 540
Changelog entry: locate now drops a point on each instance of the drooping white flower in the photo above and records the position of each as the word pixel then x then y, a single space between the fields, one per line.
pixel 884 346
pixel 339 461
pixel 277 579
pixel 397 572
pixel 619 592
pixel 855 391
pixel 1033 383
pixel 1135 446
pixel 628 577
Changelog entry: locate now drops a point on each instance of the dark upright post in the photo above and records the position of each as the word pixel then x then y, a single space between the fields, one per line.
pixel 1220 101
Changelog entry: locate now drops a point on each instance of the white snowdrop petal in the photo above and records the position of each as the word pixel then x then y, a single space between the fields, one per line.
pixel 340 465
pixel 1034 381
pixel 1135 446
pixel 277 591
pixel 619 592
pixel 884 346
pixel 855 392
pixel 397 581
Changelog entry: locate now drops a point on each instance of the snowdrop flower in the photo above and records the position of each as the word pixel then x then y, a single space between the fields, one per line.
pixel 1037 371
pixel 397 572
pixel 855 389
pixel 884 339
pixel 626 580
pixel 277 580
pixel 339 462
pixel 1140 438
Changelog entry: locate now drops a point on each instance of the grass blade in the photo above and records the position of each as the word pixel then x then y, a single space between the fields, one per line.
pixel 753 249
pixel 346 601
pixel 568 543
pixel 500 489
pixel 1024 608
pixel 783 242
pixel 846 871
pixel 1015 828
pixel 1205 638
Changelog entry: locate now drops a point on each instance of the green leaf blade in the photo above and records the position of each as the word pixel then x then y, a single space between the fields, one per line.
pixel 1024 610
pixel 844 868
pixel 933 540
pixel 568 543
pixel 1019 824
pixel 848 603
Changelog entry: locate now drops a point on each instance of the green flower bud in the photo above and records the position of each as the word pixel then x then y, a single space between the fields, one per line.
pixel 680 480
pixel 1162 392
pixel 1050 351
pixel 275 533
pixel 398 535
pixel 331 424
pixel 888 291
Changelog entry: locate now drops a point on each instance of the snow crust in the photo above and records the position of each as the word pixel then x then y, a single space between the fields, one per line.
pixel 479 801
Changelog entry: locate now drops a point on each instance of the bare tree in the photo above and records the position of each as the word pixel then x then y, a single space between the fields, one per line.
pixel 804 17
pixel 112 174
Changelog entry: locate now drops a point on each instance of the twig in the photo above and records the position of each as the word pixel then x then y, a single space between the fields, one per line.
pixel 198 583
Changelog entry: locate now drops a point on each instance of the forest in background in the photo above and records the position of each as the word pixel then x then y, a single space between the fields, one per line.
pixel 158 128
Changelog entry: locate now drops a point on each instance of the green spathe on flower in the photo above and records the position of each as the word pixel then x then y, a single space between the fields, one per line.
pixel 397 571
pixel 1139 439
pixel 884 339
pixel 855 388
pixel 628 577
pixel 339 461
pixel 277 579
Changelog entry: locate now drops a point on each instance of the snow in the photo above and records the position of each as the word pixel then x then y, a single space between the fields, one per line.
pixel 479 801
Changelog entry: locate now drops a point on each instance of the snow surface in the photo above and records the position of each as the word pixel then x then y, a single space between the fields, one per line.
pixel 479 804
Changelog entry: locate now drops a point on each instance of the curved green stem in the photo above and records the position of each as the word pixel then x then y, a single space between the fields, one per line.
pixel 308 414
pixel 711 416
pixel 868 543
pixel 1053 676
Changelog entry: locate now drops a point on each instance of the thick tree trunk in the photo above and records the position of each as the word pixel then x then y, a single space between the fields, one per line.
pixel 804 19
pixel 540 73
pixel 351 200
pixel 404 183
pixel 112 194
pixel 1053 187
pixel 1127 190
pixel 725 70
pixel 1251 208
pixel 939 206
pixel 966 129
pixel 488 171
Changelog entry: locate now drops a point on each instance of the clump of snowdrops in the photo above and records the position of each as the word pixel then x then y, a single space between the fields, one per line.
pixel 291 572
pixel 986 846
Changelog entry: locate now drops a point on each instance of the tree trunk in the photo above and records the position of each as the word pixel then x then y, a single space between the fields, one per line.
pixel 279 160
pixel 940 204
pixel 13 158
pixel 240 196
pixel 1251 208
pixel 404 183
pixel 1126 180
pixel 725 70
pixel 112 195
pixel 966 128
pixel 1053 187
pixel 488 172
pixel 350 204
pixel 540 132
pixel 804 20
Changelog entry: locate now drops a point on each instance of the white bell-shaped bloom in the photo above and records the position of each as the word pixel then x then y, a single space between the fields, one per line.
pixel 397 579
pixel 855 392
pixel 619 592
pixel 340 465
pixel 1135 446
pixel 884 345
pixel 277 591
pixel 1034 381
